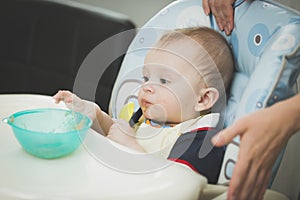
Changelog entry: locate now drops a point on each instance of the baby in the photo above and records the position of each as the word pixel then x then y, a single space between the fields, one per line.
pixel 185 74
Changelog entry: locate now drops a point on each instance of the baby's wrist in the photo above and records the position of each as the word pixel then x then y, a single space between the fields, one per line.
pixel 136 146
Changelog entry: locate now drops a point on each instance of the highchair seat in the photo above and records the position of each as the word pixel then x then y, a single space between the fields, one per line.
pixel 266 47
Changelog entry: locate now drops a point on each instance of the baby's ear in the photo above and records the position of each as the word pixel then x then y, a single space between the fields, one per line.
pixel 207 99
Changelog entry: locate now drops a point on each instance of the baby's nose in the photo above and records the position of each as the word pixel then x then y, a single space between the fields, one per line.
pixel 148 87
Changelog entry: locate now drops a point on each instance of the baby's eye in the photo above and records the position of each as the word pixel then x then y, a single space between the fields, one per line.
pixel 164 81
pixel 145 78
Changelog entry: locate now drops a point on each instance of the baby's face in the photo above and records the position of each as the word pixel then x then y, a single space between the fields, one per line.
pixel 171 88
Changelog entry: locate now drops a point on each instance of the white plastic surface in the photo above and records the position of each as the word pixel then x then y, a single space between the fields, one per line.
pixel 83 175
pixel 100 169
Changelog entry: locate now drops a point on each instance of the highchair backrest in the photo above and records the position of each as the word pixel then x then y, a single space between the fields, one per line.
pixel 266 47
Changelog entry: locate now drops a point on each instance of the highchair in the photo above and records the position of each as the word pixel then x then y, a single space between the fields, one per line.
pixel 266 47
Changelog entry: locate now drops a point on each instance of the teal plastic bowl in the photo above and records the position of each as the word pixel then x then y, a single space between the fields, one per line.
pixel 49 132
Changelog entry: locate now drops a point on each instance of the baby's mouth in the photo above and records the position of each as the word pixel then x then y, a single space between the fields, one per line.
pixel 146 103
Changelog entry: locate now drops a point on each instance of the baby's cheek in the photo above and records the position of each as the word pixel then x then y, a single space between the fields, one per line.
pixel 157 112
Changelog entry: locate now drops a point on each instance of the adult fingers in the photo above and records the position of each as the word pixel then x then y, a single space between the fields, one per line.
pixel 239 176
pixel 227 135
pixel 205 6
pixel 228 14
pixel 252 185
pixel 261 184
pixel 217 12
pixel 251 173
pixel 223 12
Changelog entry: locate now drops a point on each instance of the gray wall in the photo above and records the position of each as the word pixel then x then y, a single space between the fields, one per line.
pixel 295 4
pixel 140 11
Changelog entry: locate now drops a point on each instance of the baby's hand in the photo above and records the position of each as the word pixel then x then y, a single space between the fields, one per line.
pixel 122 133
pixel 63 95
pixel 73 102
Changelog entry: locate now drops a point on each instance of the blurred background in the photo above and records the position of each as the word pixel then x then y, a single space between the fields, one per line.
pixel 140 11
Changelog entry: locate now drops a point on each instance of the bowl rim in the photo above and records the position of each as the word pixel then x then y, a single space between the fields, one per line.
pixel 22 112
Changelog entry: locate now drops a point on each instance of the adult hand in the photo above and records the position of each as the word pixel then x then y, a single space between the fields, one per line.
pixel 222 11
pixel 263 134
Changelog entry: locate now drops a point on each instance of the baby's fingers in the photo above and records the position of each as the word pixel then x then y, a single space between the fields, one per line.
pixel 57 98
pixel 63 95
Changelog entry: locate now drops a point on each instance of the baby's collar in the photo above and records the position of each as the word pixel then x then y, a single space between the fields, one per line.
pixel 158 124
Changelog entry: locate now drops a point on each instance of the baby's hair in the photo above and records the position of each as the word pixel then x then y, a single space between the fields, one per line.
pixel 212 42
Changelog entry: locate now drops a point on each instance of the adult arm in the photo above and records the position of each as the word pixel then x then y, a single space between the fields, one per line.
pixel 263 134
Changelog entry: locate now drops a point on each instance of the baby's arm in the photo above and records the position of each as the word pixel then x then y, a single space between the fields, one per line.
pixel 101 120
